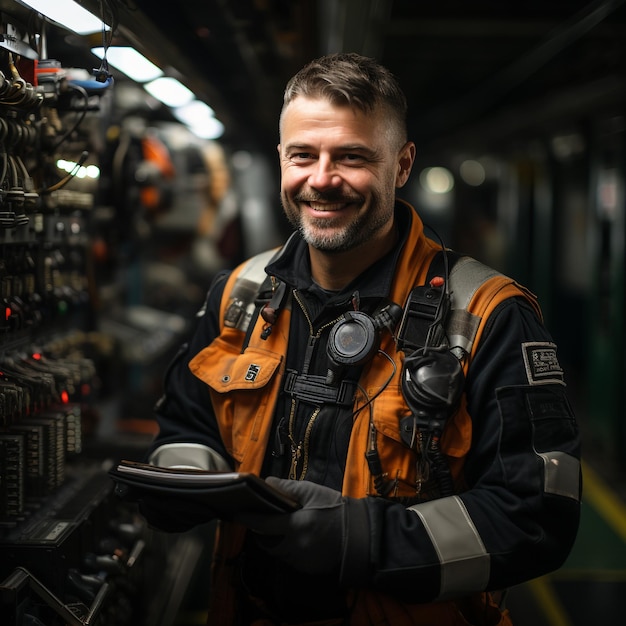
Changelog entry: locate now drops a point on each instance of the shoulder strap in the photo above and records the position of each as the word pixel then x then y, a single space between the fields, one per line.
pixel 248 291
pixel 476 291
pixel 241 291
pixel 248 287
pixel 466 277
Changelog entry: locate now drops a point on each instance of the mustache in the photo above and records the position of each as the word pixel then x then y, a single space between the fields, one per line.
pixel 326 196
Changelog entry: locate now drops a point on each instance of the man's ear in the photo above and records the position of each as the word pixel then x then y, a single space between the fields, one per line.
pixel 406 158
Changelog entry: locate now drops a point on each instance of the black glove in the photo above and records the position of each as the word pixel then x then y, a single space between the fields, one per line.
pixel 310 539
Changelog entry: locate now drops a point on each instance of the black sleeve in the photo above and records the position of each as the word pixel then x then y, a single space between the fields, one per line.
pixel 518 516
pixel 184 413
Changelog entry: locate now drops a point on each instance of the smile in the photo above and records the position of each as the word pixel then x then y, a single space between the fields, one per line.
pixel 327 207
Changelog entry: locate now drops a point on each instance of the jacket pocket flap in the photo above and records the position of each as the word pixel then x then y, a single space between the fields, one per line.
pixel 390 408
pixel 225 371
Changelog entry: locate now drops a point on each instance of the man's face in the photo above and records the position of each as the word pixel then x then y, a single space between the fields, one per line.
pixel 340 167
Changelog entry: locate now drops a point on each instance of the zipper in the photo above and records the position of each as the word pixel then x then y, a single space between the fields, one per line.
pixel 305 443
pixel 312 334
pixel 300 450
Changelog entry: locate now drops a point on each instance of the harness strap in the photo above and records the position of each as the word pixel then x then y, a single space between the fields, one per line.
pixel 247 293
pixel 311 388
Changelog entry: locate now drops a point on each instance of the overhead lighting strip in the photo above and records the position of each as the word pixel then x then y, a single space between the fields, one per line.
pixel 195 114
pixel 68 14
pixel 130 62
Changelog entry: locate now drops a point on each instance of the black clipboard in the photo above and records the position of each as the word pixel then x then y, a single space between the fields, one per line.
pixel 225 493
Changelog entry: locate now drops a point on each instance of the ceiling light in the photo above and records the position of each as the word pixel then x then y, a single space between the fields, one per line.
pixel 199 118
pixel 169 91
pixel 209 129
pixel 194 113
pixel 67 13
pixel 130 62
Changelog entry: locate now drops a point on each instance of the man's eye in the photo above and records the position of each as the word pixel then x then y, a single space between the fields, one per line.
pixel 353 158
pixel 302 156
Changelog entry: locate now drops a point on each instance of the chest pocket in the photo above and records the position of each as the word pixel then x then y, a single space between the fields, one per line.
pixel 243 387
pixel 401 463
pixel 397 461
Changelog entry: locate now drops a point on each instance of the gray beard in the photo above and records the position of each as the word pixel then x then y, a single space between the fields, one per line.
pixel 350 237
pixel 334 241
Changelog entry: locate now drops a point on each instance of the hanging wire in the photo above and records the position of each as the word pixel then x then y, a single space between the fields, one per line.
pixel 66 179
pixel 107 9
pixel 382 388
pixel 81 115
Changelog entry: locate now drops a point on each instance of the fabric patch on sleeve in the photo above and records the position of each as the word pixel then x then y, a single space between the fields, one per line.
pixel 541 363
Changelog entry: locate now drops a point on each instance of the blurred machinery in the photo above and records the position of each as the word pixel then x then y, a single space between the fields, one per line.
pixel 70 551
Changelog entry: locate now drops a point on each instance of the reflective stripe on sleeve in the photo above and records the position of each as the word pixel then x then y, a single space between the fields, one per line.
pixel 561 474
pixel 465 564
pixel 190 456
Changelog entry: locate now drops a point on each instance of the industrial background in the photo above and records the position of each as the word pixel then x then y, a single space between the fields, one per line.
pixel 117 208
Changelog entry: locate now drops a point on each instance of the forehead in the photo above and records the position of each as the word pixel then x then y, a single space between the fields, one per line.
pixel 307 118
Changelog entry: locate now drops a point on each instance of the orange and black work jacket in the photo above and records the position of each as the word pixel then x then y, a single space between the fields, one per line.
pixel 253 392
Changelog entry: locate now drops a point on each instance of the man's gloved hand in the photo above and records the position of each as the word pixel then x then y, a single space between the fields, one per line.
pixel 310 539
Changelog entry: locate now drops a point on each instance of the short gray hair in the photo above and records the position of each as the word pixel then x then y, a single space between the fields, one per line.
pixel 352 80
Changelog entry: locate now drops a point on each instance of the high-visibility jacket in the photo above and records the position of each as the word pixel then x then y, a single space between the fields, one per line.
pixel 244 386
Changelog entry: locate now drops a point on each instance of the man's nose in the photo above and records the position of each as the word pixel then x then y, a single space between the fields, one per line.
pixel 324 174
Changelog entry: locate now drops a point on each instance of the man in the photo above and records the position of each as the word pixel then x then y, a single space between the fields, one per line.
pixel 435 461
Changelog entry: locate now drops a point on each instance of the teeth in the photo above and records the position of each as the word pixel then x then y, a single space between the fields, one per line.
pixel 325 207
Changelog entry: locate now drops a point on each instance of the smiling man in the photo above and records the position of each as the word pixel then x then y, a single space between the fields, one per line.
pixel 340 165
pixel 409 398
